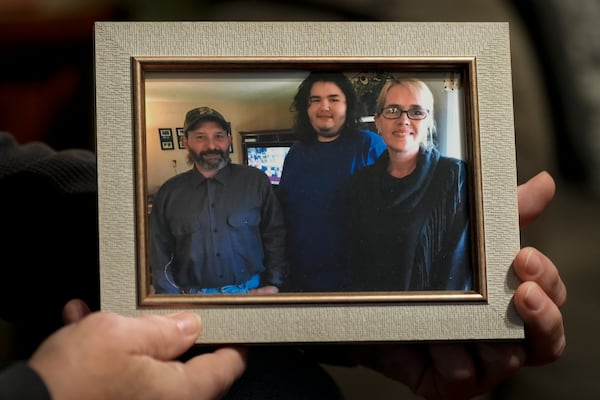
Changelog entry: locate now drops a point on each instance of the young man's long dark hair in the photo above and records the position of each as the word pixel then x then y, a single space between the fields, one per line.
pixel 302 126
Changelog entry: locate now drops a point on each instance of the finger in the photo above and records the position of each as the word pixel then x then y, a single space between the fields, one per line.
pixel 406 363
pixel 170 340
pixel 213 374
pixel 532 265
pixel 497 361
pixel 534 196
pixel 74 311
pixel 207 376
pixel 465 370
pixel 157 336
pixel 454 374
pixel 452 362
pixel 544 331
pixel 264 290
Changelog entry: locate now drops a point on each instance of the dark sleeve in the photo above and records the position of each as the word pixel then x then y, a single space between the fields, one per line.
pixel 19 381
pixel 273 237
pixel 353 232
pixel 283 188
pixel 461 276
pixel 48 225
pixel 456 253
pixel 160 247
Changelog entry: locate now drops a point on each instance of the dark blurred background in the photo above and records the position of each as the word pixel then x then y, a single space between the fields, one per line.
pixel 47 94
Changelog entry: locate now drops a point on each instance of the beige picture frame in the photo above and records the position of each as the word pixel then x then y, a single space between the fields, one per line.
pixel 127 51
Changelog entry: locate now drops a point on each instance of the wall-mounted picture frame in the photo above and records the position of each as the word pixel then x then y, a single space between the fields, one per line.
pixel 180 136
pixel 441 53
pixel 166 138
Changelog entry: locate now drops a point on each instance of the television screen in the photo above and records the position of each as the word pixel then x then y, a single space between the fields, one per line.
pixel 268 159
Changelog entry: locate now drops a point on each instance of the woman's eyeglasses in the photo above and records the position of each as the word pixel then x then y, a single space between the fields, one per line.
pixel 395 112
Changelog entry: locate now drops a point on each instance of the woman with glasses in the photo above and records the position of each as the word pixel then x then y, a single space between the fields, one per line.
pixel 409 222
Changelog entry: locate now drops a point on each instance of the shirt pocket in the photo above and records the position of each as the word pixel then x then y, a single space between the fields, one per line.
pixel 245 236
pixel 186 225
pixel 244 219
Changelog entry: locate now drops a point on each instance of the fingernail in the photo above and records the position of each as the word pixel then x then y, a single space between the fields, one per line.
pixel 188 323
pixel 516 359
pixel 533 264
pixel 534 298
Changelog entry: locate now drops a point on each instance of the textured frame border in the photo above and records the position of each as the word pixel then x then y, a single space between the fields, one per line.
pixel 488 43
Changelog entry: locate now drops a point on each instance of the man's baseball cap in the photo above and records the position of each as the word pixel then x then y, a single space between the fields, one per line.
pixel 201 114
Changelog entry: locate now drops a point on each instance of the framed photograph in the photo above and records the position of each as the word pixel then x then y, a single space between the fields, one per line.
pixel 252 86
pixel 180 136
pixel 166 138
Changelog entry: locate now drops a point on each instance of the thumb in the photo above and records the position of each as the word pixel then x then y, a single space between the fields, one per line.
pixel 74 311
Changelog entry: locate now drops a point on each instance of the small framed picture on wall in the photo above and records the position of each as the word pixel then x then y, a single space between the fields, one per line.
pixel 180 135
pixel 166 138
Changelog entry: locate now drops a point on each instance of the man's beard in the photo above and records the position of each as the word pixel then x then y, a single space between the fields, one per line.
pixel 198 158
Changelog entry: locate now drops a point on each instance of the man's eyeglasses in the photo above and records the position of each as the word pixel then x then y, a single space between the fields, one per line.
pixel 395 112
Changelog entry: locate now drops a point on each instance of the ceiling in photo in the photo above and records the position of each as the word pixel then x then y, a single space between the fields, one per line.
pixel 194 87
